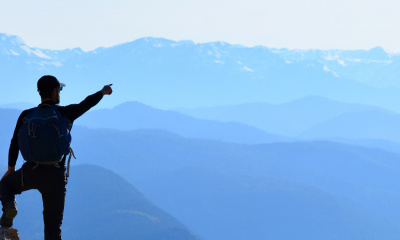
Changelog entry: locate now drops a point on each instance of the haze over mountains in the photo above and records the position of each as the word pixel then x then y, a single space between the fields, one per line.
pixel 134 115
pixel 220 141
pixel 310 118
pixel 289 119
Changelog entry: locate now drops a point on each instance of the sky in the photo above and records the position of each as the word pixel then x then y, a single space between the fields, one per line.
pixel 293 24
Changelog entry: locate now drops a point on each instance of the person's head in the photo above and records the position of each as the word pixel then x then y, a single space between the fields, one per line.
pixel 49 88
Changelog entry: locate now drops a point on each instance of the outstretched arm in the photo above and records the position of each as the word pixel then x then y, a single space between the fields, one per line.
pixel 74 111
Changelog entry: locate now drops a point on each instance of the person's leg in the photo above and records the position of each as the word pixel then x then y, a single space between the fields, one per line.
pixel 53 205
pixel 9 187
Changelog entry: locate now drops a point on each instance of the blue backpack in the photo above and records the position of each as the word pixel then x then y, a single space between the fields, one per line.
pixel 45 135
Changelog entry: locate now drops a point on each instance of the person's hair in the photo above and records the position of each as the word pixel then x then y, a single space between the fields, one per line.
pixel 46 85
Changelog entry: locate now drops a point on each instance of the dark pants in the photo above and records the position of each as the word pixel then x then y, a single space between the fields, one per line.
pixel 51 183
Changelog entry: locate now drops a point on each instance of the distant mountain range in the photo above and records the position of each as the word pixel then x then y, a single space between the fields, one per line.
pixel 315 118
pixel 169 74
pixel 307 118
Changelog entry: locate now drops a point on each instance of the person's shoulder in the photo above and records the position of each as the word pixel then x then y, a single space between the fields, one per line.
pixel 26 111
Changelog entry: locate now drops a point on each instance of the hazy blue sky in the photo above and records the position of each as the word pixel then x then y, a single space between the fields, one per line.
pixel 322 24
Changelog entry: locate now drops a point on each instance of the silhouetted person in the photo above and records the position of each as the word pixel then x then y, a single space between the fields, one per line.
pixel 45 168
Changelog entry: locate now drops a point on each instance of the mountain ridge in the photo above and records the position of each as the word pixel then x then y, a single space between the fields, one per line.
pixel 287 119
pixel 166 73
pixel 134 115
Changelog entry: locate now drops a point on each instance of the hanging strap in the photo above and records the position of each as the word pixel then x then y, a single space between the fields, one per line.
pixel 71 153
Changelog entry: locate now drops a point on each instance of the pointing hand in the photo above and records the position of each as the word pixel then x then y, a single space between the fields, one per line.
pixel 107 90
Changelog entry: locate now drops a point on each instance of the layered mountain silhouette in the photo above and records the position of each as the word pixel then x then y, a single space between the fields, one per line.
pixel 134 115
pixel 220 190
pixel 307 118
